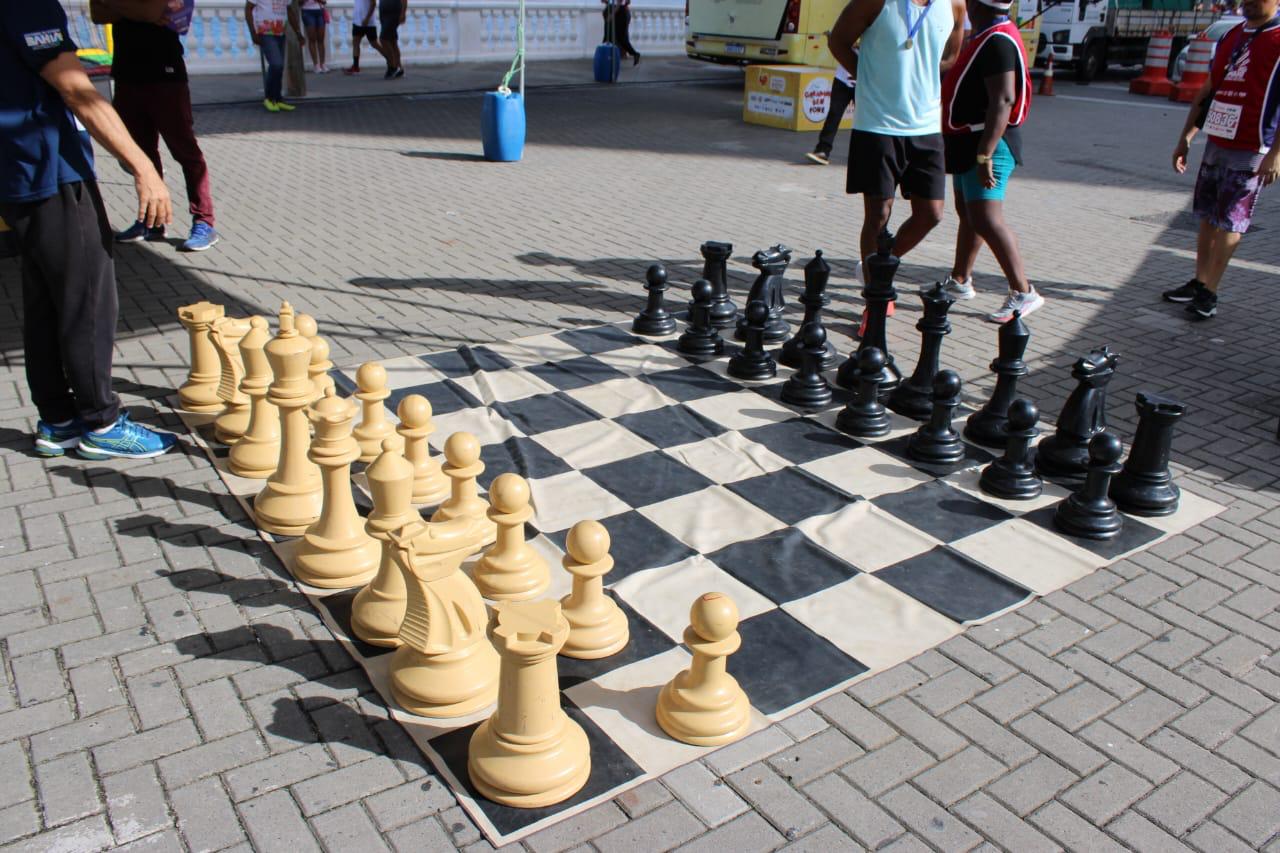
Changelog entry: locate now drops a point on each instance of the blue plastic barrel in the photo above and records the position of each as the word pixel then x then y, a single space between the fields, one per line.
pixel 608 61
pixel 502 126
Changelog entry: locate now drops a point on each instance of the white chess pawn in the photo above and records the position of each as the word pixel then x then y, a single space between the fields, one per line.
pixel 371 390
pixel 318 369
pixel 597 626
pixel 430 485
pixel 511 570
pixel 257 452
pixel 704 705
pixel 462 455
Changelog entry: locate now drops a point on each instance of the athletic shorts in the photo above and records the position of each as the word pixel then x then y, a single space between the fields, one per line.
pixel 968 185
pixel 389 17
pixel 313 18
pixel 358 32
pixel 1225 197
pixel 879 164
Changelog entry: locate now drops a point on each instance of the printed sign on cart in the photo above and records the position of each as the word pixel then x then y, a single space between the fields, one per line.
pixel 771 105
pixel 817 99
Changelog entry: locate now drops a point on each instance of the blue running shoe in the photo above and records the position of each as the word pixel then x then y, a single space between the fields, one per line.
pixel 202 237
pixel 138 231
pixel 125 440
pixel 57 440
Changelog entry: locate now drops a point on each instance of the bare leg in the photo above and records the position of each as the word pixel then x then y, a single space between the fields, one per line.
pixel 875 218
pixel 987 219
pixel 968 244
pixel 925 215
pixel 320 40
pixel 1214 249
pixel 313 47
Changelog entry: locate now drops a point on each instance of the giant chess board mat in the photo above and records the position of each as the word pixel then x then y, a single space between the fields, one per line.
pixel 844 556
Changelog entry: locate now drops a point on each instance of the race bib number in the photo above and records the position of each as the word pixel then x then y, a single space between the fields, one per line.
pixel 1223 120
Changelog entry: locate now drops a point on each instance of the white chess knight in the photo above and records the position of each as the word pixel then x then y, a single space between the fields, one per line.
pixel 704 705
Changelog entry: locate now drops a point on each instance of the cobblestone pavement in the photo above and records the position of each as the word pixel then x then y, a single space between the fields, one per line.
pixel 165 688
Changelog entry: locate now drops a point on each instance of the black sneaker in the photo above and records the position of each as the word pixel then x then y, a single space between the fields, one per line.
pixel 391 72
pixel 1186 293
pixel 399 73
pixel 1204 305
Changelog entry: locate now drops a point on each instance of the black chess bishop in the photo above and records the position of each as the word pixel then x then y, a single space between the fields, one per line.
pixel 914 396
pixel 816 274
pixel 879 272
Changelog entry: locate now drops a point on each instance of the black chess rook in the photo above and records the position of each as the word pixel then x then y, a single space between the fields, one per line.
pixel 807 388
pixel 700 337
pixel 879 272
pixel 654 320
pixel 1145 486
pixel 715 269
pixel 1065 454
pixel 936 441
pixel 769 288
pixel 753 361
pixel 989 425
pixel 864 415
pixel 1012 476
pixel 1088 512
pixel 816 274
pixel 914 396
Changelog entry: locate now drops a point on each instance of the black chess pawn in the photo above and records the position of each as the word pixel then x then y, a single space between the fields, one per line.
pixel 655 319
pixel 753 361
pixel 864 415
pixel 914 396
pixel 816 274
pixel 1012 476
pixel 989 425
pixel 1065 454
pixel 1089 513
pixel 878 272
pixel 769 287
pixel 1145 486
pixel 936 441
pixel 807 388
pixel 715 269
pixel 700 337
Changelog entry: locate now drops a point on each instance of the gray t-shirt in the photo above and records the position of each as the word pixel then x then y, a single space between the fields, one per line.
pixel 1232 158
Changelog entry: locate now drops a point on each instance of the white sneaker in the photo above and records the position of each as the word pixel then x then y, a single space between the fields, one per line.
pixel 1021 303
pixel 958 289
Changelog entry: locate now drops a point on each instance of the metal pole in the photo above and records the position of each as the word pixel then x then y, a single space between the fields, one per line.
pixel 521 47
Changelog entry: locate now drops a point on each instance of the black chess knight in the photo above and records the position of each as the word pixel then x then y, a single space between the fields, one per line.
pixel 1012 476
pixel 989 425
pixel 913 397
pixel 1065 454
pixel 1144 486
pixel 1089 513
pixel 879 270
pixel 700 337
pixel 816 274
pixel 768 288
pixel 655 319
pixel 715 261
pixel 864 415
pixel 753 361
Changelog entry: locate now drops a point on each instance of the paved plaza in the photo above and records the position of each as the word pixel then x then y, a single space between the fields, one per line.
pixel 166 688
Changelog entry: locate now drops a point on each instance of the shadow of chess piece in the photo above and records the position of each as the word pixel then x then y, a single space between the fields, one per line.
pixel 864 415
pixel 989 425
pixel 378 609
pixel 700 337
pixel 807 388
pixel 715 260
pixel 445 666
pixel 226 333
pixel 913 398
pixel 597 626
pixel 511 570
pixel 753 362
pixel 371 391
pixel 1012 476
pixel 769 287
pixel 336 552
pixel 654 320
pixel 936 441
pixel 291 500
pixel 814 299
pixel 200 392
pixel 1144 486
pixel 878 292
pixel 255 454
pixel 1065 454
pixel 704 705
pixel 529 754
pixel 1088 512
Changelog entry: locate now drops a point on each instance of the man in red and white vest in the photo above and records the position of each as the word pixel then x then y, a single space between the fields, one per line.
pixel 1238 107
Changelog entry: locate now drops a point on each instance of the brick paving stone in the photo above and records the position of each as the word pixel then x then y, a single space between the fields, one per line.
pixel 703 793
pixel 1181 803
pixel 1257 761
pixel 1119 746
pixel 88 834
pixel 958 776
pixel 888 766
pixel 1032 785
pixel 815 757
pixel 1256 601
pixel 1174 648
pixel 856 814
pixel 1265 730
pixel 1071 830
pixel 822 840
pixel 1236 655
pixel 1198 760
pixel 423 836
pixel 931 822
pixel 339 787
pixel 769 794
pixel 1253 814
pixel 868 730
pixel 1058 743
pixel 217 709
pixel 24 722
pixel 803 725
pixel 1211 722
pixel 1039 666
pixel 749 750
pixel 18 821
pixel 1224 686
pixel 668 827
pixel 135 803
pixel 1101 673
pixel 922 727
pixel 38 677
pixel 1106 793
pixel 977 659
pixel 883 686
pixel 643 798
pixel 986 733
pixel 1144 590
pixel 1189 621
pixel 15 782
pixel 594 822
pixel 1138 833
pixel 205 816
pixel 274 823
pixel 1055 636
pixel 156 699
pixel 408 802
pixel 1013 698
pixel 347 828
pixel 95 687
pixel 1002 826
pixel 67 789
pixel 1211 838
pixel 748 833
pixel 1080 705
pixel 146 746
pixel 1143 714
pixel 941 694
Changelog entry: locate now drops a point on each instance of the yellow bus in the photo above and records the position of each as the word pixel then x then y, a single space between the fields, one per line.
pixel 779 32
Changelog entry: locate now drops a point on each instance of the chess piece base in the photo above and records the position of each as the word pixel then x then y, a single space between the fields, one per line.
pixel 1075 519
pixel 653 326
pixel 856 422
pixel 529 775
pixel 450 685
pixel 288 513
pixel 987 428
pixel 793 356
pixel 487 532
pixel 714 720
pixel 253 460
pixel 506 579
pixel 229 426
pixel 935 451
pixel 752 371
pixel 432 492
pixel 806 396
pixel 1001 481
pixel 598 639
pixel 327 564
pixel 377 612
pixel 200 397
pixel 1058 459
pixel 912 401
pixel 700 345
pixel 1149 497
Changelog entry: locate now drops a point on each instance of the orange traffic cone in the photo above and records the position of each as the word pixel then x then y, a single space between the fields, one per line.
pixel 1046 82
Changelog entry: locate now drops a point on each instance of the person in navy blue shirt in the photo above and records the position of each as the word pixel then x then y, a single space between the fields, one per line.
pixel 49 197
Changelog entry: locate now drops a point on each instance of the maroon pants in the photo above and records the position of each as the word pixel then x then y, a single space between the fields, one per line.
pixel 152 111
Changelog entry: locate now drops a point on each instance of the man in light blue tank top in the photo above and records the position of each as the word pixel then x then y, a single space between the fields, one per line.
pixel 905 47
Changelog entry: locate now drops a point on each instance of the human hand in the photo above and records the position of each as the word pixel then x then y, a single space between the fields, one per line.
pixel 1269 168
pixel 987 172
pixel 1180 156
pixel 154 205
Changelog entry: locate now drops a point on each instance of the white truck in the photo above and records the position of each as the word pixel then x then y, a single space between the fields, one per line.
pixel 1089 35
